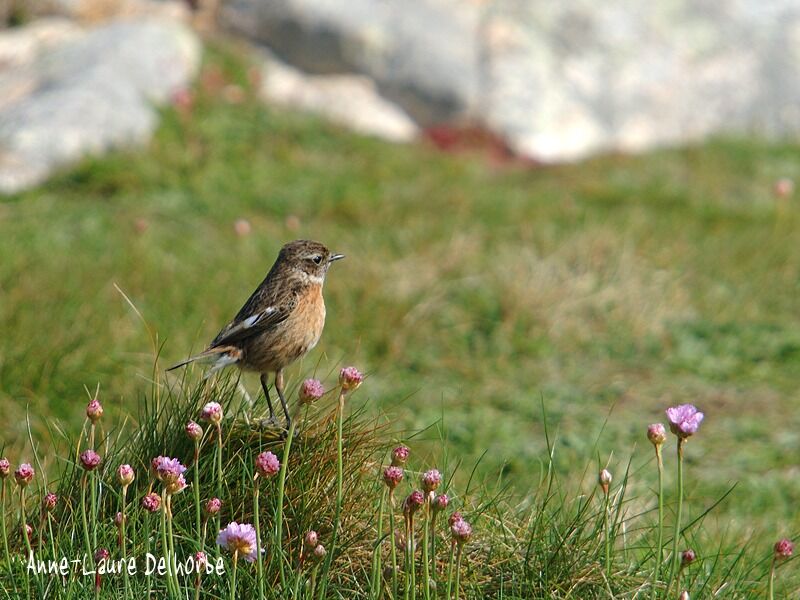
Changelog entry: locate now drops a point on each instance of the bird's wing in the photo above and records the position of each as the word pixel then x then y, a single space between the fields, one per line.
pixel 240 329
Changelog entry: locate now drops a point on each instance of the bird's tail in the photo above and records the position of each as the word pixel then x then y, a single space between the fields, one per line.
pixel 220 357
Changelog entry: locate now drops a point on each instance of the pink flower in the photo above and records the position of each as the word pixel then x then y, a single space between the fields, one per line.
pixel 168 469
pixel 350 378
pixel 684 595
pixel 194 431
pixel 213 506
pixel 200 559
pixel 178 485
pixel 50 501
pixel 604 479
pixel 392 476
pixel 5 468
pixel 90 460
pixel 687 557
pixel 461 531
pixel 400 456
pixel 94 410
pixel 684 420
pixel 319 553
pixel 267 464
pixel 151 502
pixel 657 434
pixel 212 413
pixel 440 502
pixel 431 480
pixel 118 519
pixel 454 518
pixel 24 474
pixel 102 554
pixel 125 475
pixel 783 549
pixel 311 390
pixel 311 540
pixel 413 502
pixel 239 539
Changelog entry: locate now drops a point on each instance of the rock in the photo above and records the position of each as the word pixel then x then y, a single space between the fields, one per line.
pixel 92 92
pixel 96 11
pixel 421 55
pixel 350 100
pixel 558 80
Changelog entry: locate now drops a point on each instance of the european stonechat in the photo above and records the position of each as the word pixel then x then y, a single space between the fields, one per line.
pixel 280 322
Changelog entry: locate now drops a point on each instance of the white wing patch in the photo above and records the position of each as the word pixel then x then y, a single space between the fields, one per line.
pixel 250 321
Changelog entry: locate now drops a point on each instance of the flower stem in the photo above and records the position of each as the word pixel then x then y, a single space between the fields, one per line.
pixel 394 545
pixel 122 540
pixel 147 549
pixel 233 576
pixel 771 584
pixel 86 541
pixel 376 559
pixel 339 496
pixel 3 523
pixel 660 542
pixel 279 508
pixel 450 570
pixel 259 561
pixel 425 567
pixel 93 495
pixel 607 534
pixel 165 544
pixel 175 581
pixel 219 472
pixel 676 559
pixel 458 572
pixel 412 567
pixel 196 490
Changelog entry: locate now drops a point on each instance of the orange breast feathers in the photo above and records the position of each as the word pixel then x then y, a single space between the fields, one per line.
pixel 310 315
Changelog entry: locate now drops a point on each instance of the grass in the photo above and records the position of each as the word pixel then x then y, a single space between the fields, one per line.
pixel 605 290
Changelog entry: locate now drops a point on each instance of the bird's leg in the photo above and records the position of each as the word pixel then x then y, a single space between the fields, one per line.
pixel 265 387
pixel 279 388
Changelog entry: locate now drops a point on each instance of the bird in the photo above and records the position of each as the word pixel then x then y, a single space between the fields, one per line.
pixel 280 322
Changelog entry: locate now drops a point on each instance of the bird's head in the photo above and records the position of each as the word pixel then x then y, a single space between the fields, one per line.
pixel 308 259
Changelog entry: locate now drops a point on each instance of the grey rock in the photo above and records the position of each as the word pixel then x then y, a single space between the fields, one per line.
pixel 421 55
pixel 350 100
pixel 94 92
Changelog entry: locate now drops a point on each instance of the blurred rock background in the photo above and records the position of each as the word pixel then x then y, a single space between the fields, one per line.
pixel 553 81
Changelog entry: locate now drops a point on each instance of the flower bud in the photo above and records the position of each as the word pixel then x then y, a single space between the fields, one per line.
pixel 5 468
pixel 604 479
pixel 102 554
pixel 684 595
pixel 400 456
pixel 687 557
pixel 24 474
pixel 125 475
pixel 49 502
pixel 413 502
pixel 319 553
pixel 431 480
pixel 392 476
pixel 90 460
pixel 783 549
pixel 193 431
pixel 440 502
pixel 350 378
pixel 212 413
pixel 94 410
pixel 461 531
pixel 311 390
pixel 213 506
pixel 311 539
pixel 657 434
pixel 267 464
pixel 200 559
pixel 119 518
pixel 151 502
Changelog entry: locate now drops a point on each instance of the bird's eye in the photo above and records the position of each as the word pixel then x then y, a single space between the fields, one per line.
pixel 317 259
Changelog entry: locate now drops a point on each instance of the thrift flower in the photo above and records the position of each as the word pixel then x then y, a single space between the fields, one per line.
pixel 392 476
pixel 200 559
pixel 267 464
pixel 119 518
pixel 94 410
pixel 212 413
pixel 5 468
pixel 24 474
pixel 684 420
pixel 400 456
pixel 90 460
pixel 168 469
pixel 783 549
pixel 125 475
pixel 350 378
pixel 687 557
pixel 102 554
pixel 414 501
pixel 455 518
pixel 461 531
pixel 151 502
pixel 604 479
pixel 194 431
pixel 311 540
pixel 173 487
pixel 657 434
pixel 431 480
pixel 440 502
pixel 50 501
pixel 319 552
pixel 213 506
pixel 684 595
pixel 239 538
pixel 311 390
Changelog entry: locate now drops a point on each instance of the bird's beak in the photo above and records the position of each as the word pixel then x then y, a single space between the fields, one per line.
pixel 335 257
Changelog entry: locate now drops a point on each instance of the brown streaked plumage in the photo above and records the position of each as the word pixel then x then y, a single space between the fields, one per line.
pixel 280 322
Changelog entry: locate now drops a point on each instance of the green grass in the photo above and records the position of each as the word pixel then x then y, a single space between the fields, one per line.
pixel 605 290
